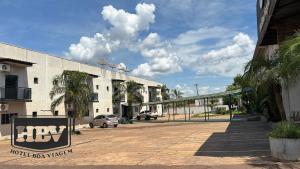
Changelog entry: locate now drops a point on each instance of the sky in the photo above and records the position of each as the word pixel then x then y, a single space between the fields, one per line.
pixel 175 42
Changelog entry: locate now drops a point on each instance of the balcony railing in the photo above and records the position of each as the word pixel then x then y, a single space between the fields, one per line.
pixel 20 94
pixel 154 99
pixel 94 97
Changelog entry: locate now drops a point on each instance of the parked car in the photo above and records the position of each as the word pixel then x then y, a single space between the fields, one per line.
pixel 104 121
pixel 147 115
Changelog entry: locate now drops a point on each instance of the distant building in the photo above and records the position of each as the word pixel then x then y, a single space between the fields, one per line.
pixel 276 21
pixel 26 80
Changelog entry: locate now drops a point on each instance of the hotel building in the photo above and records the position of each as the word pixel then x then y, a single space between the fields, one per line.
pixel 26 80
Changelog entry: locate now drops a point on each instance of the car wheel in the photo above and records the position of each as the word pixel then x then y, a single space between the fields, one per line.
pixel 155 118
pixel 138 118
pixel 147 118
pixel 91 125
pixel 105 125
pixel 115 125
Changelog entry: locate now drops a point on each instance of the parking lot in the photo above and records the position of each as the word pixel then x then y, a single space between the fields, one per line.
pixel 168 145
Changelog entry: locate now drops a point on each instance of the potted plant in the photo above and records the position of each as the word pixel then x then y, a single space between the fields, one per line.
pixel 285 141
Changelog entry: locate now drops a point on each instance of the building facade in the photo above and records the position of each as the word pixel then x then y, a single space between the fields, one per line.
pixel 277 20
pixel 26 80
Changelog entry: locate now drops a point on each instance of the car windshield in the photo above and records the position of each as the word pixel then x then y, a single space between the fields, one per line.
pixel 111 116
pixel 146 111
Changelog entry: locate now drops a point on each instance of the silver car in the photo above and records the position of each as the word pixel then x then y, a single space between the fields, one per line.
pixel 104 121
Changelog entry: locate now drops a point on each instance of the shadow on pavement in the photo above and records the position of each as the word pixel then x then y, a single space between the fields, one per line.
pixel 241 138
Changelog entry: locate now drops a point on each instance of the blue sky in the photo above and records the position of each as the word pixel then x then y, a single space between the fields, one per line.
pixel 176 42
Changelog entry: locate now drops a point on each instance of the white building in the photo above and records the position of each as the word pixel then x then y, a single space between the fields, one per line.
pixel 26 80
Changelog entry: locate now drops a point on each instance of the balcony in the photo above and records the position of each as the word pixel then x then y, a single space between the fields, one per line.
pixel 15 94
pixel 154 99
pixel 94 97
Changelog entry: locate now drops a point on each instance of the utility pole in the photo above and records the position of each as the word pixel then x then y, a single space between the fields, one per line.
pixel 197 89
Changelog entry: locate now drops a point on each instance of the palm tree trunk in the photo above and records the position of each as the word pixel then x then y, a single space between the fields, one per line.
pixel 278 98
pixel 73 123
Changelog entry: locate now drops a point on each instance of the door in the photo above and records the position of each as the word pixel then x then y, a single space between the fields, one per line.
pixel 11 87
pixel 124 111
pixel 99 120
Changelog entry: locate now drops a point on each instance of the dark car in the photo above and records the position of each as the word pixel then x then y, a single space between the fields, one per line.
pixel 147 115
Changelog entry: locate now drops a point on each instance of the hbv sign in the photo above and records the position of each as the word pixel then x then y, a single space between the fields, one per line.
pixel 41 134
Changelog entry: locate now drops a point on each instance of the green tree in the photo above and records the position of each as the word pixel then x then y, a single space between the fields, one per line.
pixel 177 93
pixel 165 92
pixel 238 83
pixel 133 91
pixel 267 74
pixel 264 74
pixel 118 92
pixel 118 95
pixel 71 87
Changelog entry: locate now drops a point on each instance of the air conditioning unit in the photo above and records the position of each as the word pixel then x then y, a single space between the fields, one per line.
pixel 4 68
pixel 3 107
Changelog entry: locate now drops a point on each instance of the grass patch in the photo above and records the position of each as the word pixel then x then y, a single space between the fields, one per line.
pixel 217 113
pixel 285 130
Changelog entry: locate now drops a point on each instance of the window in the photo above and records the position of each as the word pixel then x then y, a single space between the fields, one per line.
pixel 97 87
pixel 99 117
pixel 107 109
pixel 97 110
pixel 34 114
pixel 107 88
pixel 55 113
pixel 6 118
pixel 36 80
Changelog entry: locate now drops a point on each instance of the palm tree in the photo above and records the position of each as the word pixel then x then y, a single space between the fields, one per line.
pixel 164 92
pixel 264 75
pixel 118 94
pixel 177 93
pixel 267 74
pixel 289 57
pixel 71 88
pixel 133 91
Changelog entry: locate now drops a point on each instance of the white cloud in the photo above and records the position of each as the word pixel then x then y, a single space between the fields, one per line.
pixel 185 89
pixel 229 60
pixel 216 50
pixel 206 50
pixel 157 66
pixel 188 90
pixel 194 36
pixel 160 55
pixel 124 30
pixel 127 25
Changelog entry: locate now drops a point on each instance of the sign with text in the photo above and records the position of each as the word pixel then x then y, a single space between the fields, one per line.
pixel 41 133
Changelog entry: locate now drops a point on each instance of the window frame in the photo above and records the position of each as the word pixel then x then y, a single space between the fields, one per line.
pixel 8 119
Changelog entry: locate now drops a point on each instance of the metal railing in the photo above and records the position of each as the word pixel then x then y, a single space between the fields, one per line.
pixel 154 99
pixel 19 93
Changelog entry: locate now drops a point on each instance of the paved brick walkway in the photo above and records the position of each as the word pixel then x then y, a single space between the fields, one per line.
pixel 167 145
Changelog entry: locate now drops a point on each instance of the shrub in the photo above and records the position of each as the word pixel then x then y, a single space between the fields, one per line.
pixel 285 130
pixel 221 110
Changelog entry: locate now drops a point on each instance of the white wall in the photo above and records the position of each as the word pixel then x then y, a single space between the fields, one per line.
pixel 45 67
